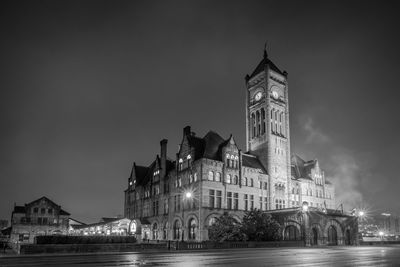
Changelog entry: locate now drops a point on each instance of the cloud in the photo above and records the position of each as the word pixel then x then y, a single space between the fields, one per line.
pixel 342 166
pixel 314 135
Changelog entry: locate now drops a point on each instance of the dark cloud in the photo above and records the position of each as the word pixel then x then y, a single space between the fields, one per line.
pixel 88 87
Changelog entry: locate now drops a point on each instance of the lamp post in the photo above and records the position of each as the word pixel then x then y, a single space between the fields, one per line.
pixel 381 233
pixel 187 195
pixel 304 211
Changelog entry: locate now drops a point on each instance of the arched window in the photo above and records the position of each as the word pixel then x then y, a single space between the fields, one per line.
pixel 251 182
pixel 258 121
pixel 235 180
pixel 253 124
pixel 177 229
pixel 155 231
pixel 211 176
pixel 293 190
pixel 228 179
pixel 192 229
pixel 218 177
pixel 245 181
pixel 272 114
pixel 262 121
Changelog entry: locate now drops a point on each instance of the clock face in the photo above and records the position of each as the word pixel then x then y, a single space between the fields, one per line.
pixel 258 96
pixel 275 94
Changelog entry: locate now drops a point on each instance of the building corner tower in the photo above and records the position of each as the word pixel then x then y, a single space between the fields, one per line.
pixel 267 127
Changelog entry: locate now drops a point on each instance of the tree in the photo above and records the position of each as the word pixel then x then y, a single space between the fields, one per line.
pixel 226 228
pixel 260 226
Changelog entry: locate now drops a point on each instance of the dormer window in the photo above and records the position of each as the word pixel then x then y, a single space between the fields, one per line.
pixel 130 182
pixel 157 172
pixel 180 164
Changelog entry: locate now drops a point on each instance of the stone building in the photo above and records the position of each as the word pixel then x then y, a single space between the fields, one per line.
pixel 39 217
pixel 179 198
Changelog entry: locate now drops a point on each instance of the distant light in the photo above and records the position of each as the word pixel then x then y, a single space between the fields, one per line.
pixel 386 214
pixel 305 206
pixel 381 233
pixel 188 194
pixel 361 213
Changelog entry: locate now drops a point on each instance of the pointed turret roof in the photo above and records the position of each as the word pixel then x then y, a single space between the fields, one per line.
pixel 261 66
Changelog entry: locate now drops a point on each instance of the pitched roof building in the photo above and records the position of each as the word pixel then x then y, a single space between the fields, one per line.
pixel 179 198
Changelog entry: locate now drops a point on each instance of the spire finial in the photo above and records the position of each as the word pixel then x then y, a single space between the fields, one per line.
pixel 265 50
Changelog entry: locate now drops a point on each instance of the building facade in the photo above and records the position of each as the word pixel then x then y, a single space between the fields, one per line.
pixel 179 198
pixel 39 217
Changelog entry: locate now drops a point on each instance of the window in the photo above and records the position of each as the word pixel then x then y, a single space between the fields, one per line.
pixel 177 229
pixel 35 210
pixel 261 203
pixel 260 184
pixel 212 221
pixel 251 202
pixel 212 198
pixel 211 176
pixel 218 177
pixel 276 204
pixel 166 206
pixel 50 211
pixel 228 179
pixel 192 229
pixel 236 180
pixel 42 211
pixel 245 181
pixel 177 203
pixel 155 208
pixel 39 220
pixel 195 177
pixel 246 202
pixel 236 201
pixel 180 164
pixel 229 200
pixel 251 182
pixel 265 186
pixel 219 199
pixel 266 203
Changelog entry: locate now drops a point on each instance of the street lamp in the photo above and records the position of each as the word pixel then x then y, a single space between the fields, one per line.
pixel 305 206
pixel 381 233
pixel 361 213
pixel 188 195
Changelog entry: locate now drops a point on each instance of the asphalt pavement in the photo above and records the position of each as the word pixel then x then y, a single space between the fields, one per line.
pixel 320 256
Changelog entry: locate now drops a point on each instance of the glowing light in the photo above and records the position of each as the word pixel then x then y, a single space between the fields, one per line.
pixel 361 213
pixel 188 194
pixel 381 233
pixel 305 206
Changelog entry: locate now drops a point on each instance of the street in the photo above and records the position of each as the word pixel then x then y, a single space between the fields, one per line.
pixel 326 256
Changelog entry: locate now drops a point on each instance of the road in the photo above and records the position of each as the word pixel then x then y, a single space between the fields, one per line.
pixel 327 256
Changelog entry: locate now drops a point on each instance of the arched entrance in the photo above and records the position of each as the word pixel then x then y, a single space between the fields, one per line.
pixel 192 229
pixel 177 229
pixel 291 233
pixel 314 237
pixel 332 236
pixel 155 231
pixel 348 237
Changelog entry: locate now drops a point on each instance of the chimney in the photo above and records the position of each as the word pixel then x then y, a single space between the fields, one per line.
pixel 163 144
pixel 186 130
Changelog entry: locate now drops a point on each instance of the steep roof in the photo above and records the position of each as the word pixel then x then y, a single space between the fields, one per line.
pixel 301 168
pixel 261 66
pixel 252 162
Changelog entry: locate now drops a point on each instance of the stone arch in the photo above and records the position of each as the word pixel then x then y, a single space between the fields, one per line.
pixel 316 234
pixel 177 228
pixel 291 230
pixel 348 236
pixel 333 228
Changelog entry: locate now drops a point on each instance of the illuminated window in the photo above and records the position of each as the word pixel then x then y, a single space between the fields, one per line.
pixel 218 177
pixel 228 179
pixel 211 176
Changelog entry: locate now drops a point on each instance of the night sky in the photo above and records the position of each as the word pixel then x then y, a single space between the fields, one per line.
pixel 88 87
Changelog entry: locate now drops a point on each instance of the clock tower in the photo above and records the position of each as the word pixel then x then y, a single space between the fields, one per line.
pixel 267 127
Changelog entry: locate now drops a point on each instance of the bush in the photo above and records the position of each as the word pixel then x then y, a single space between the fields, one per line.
pixel 226 228
pixel 260 226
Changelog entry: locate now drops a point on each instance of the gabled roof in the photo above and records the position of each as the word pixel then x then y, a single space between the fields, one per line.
pixel 252 162
pixel 22 209
pixel 301 168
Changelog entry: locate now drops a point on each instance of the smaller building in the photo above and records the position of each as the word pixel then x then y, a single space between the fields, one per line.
pixel 39 217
